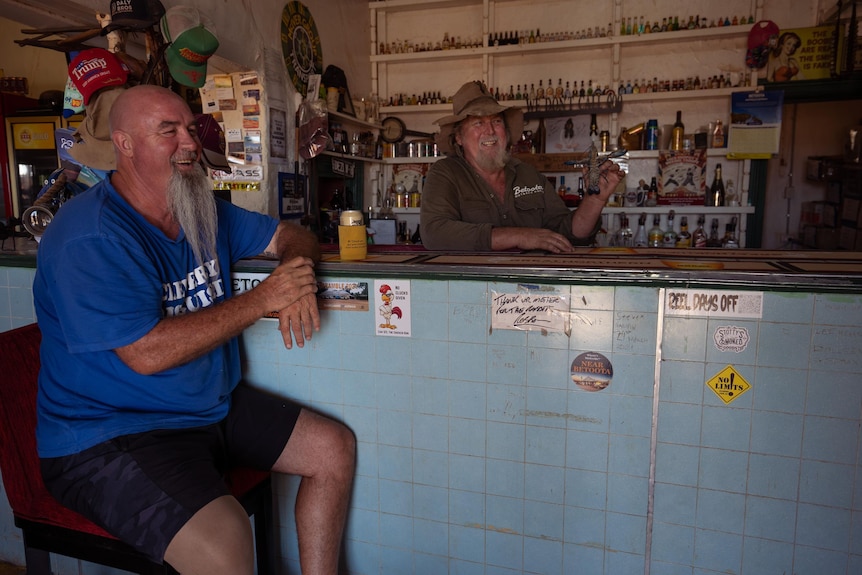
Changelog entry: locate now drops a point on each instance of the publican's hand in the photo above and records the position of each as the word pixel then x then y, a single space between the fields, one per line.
pixel 610 175
pixel 298 320
pixel 538 239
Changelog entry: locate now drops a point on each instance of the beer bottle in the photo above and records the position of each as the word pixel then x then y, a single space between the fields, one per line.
pixel 677 133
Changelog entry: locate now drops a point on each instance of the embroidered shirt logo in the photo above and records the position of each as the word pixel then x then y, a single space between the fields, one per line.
pixel 526 191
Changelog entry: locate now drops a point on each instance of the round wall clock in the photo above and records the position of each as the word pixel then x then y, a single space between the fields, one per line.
pixel 300 45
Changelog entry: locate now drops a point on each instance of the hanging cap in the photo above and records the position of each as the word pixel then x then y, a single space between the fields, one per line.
pixel 134 15
pixel 94 69
pixel 212 140
pixel 192 41
pixel 93 146
pixel 73 101
pixel 762 38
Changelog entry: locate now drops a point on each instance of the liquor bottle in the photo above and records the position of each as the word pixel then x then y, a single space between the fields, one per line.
pixel 581 189
pixel 668 239
pixel 730 240
pixel 677 133
pixel 626 238
pixel 417 237
pixel 652 194
pixel 683 240
pixel 713 241
pixel 641 240
pixel 698 238
pixel 655 234
pixel 716 190
pixel 718 135
pixel 561 191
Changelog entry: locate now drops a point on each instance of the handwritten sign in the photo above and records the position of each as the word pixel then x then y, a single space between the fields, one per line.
pixel 713 303
pixel 530 311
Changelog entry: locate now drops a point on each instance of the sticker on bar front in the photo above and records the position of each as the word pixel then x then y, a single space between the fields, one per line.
pixel 728 384
pixel 392 315
pixel 713 303
pixel 592 371
pixel 532 310
pixel 731 338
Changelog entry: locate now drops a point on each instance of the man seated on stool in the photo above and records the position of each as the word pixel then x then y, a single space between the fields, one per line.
pixel 480 198
pixel 141 406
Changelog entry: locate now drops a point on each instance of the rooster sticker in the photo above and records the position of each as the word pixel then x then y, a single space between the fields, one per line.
pixel 393 313
pixel 387 310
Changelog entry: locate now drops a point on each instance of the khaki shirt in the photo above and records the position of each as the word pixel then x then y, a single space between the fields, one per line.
pixel 459 208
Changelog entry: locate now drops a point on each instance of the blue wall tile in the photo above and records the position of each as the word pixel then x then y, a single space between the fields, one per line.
pixel 717 551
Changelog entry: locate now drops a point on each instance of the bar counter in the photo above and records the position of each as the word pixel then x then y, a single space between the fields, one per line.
pixel 612 411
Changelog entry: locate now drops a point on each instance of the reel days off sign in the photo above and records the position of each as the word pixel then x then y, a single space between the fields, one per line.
pixel 713 303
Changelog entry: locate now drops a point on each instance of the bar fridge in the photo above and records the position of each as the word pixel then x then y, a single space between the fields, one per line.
pixel 32 157
pixel 9 105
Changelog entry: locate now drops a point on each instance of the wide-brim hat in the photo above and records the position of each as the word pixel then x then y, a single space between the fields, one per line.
pixel 474 99
pixel 93 146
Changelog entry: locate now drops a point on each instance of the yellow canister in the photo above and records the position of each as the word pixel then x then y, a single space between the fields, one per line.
pixel 352 237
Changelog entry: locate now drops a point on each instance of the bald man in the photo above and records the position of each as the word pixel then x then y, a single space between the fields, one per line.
pixel 141 401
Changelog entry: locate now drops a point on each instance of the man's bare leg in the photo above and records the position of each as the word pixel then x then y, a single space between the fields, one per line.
pixel 323 452
pixel 216 540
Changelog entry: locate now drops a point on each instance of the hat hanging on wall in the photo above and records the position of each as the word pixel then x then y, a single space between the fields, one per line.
pixel 214 149
pixel 192 41
pixel 134 15
pixel 762 38
pixel 94 69
pixel 93 146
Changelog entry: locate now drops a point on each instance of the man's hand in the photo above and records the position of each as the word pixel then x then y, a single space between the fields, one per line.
pixel 297 321
pixel 290 289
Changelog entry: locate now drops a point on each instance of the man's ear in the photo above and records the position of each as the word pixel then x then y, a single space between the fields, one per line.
pixel 122 142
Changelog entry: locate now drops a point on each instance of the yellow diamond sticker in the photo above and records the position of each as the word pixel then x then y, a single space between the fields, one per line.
pixel 728 384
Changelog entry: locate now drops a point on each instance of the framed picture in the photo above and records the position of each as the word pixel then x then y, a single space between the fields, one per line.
pixel 291 195
pixel 681 177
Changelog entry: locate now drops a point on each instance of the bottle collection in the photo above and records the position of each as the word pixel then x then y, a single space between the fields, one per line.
pixel 578 90
pixel 638 25
pixel 629 26
pixel 668 236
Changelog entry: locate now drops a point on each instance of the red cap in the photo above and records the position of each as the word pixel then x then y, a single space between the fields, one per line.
pixel 94 69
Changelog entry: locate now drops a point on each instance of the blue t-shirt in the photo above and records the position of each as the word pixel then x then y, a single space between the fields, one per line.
pixel 105 277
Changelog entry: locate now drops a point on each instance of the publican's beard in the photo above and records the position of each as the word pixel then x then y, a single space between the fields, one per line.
pixel 193 206
pixel 492 159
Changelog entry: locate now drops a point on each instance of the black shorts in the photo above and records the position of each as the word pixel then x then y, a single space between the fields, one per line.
pixel 142 488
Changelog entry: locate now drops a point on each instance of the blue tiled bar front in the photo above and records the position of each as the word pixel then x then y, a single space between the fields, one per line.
pixel 479 454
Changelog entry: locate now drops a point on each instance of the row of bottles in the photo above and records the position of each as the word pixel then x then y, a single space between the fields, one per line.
pixel 634 26
pixel 628 27
pixel 668 237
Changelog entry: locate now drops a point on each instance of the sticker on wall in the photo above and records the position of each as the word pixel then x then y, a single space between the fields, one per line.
pixel 728 384
pixel 592 371
pixel 532 310
pixel 731 338
pixel 393 312
pixel 244 281
pixel 713 303
pixel 344 295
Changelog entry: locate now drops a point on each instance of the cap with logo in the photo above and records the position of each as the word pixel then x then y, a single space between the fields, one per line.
pixel 94 69
pixel 212 142
pixel 134 15
pixel 73 101
pixel 192 41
